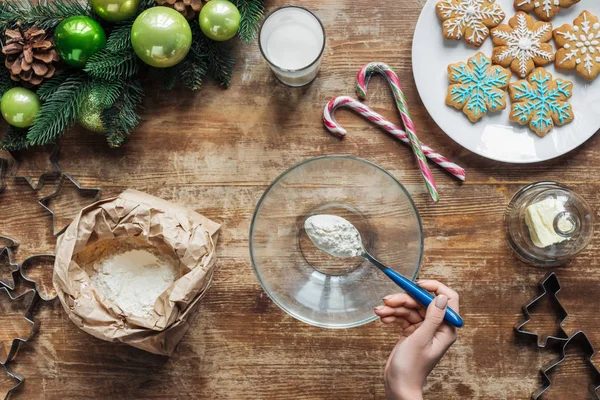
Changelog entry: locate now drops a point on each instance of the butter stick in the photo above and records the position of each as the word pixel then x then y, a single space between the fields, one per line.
pixel 539 218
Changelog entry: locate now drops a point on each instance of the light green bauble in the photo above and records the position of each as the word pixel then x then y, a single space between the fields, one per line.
pixel 78 38
pixel 20 107
pixel 115 10
pixel 219 20
pixel 161 37
pixel 90 113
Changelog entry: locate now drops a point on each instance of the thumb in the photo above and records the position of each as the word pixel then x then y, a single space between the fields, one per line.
pixel 433 319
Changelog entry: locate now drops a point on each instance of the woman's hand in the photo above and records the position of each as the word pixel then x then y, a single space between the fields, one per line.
pixel 424 340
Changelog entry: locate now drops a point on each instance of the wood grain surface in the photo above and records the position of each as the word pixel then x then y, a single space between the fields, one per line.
pixel 216 151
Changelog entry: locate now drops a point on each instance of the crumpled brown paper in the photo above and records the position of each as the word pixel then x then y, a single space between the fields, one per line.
pixel 191 237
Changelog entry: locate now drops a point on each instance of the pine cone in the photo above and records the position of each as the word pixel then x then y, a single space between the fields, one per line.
pixel 30 55
pixel 188 8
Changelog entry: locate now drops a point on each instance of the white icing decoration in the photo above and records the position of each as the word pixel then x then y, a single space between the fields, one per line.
pixel 523 44
pixel 546 5
pixel 583 44
pixel 469 14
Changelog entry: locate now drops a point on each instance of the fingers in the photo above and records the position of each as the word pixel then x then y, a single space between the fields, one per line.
pixel 408 313
pixel 439 288
pixel 401 300
pixel 433 320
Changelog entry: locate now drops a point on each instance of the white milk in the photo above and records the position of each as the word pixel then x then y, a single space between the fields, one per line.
pixel 292 40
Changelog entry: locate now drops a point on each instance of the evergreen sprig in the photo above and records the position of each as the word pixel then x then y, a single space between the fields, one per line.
pixel 5 82
pixel 59 111
pixel 120 37
pixel 113 65
pixel 14 139
pixel 45 14
pixel 107 93
pixel 251 12
pixel 122 118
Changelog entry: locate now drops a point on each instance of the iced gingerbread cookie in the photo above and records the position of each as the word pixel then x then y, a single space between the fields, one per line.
pixel 541 102
pixel 522 44
pixel 543 9
pixel 477 86
pixel 579 46
pixel 471 19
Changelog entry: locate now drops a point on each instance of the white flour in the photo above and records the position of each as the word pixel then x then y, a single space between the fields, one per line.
pixel 134 279
pixel 334 235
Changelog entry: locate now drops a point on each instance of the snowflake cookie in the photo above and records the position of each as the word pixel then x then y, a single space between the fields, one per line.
pixel 471 19
pixel 477 86
pixel 541 101
pixel 543 9
pixel 522 44
pixel 579 46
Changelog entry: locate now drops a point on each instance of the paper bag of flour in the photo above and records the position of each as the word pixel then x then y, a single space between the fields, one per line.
pixel 130 220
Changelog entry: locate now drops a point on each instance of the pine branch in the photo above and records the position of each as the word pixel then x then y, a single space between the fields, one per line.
pixel 252 12
pixel 50 86
pixel 166 76
pixel 121 119
pixel 120 37
pixel 107 93
pixel 113 66
pixel 59 111
pixel 191 73
pixel 14 139
pixel 216 55
pixel 5 82
pixel 44 16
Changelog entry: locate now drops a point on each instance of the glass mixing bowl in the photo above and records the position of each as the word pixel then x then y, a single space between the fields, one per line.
pixel 311 285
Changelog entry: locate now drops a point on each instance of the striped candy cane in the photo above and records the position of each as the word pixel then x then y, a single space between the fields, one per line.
pixel 362 80
pixel 356 106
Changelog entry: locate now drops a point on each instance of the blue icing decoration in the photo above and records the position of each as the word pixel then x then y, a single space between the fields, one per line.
pixel 537 101
pixel 479 87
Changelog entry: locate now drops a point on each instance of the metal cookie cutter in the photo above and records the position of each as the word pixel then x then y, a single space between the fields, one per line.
pixel 14 375
pixel 38 288
pixel 9 242
pixel 14 172
pixel 28 316
pixel 550 286
pixel 46 200
pixel 6 260
pixel 586 347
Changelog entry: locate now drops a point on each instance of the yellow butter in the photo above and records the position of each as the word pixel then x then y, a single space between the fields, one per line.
pixel 539 218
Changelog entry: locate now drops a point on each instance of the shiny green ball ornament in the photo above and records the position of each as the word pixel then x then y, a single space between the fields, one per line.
pixel 115 10
pixel 78 38
pixel 219 20
pixel 20 107
pixel 161 37
pixel 90 113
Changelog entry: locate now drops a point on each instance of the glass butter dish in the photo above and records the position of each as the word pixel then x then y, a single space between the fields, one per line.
pixel 547 224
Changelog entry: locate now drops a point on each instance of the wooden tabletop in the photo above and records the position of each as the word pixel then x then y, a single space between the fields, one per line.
pixel 217 150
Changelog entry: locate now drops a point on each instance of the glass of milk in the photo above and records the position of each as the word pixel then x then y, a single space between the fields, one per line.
pixel 292 40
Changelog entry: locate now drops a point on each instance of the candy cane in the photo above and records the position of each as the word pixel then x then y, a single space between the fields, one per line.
pixel 356 106
pixel 362 80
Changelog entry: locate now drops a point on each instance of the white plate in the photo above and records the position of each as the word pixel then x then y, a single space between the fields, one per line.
pixel 494 136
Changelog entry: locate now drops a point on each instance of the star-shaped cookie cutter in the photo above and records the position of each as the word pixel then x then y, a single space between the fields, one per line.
pixel 550 286
pixel 26 264
pixel 14 172
pixel 6 254
pixel 28 316
pixel 46 200
pixel 14 375
pixel 588 350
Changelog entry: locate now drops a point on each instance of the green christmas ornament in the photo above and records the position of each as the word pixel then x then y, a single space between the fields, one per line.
pixel 90 113
pixel 115 10
pixel 78 38
pixel 161 37
pixel 20 107
pixel 219 20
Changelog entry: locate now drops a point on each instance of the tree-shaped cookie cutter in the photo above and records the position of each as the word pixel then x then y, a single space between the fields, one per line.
pixel 550 286
pixel 588 350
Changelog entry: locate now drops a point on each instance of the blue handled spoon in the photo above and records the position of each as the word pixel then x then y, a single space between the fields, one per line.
pixel 319 236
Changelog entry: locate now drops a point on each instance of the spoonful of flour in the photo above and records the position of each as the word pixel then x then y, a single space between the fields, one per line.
pixel 334 235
